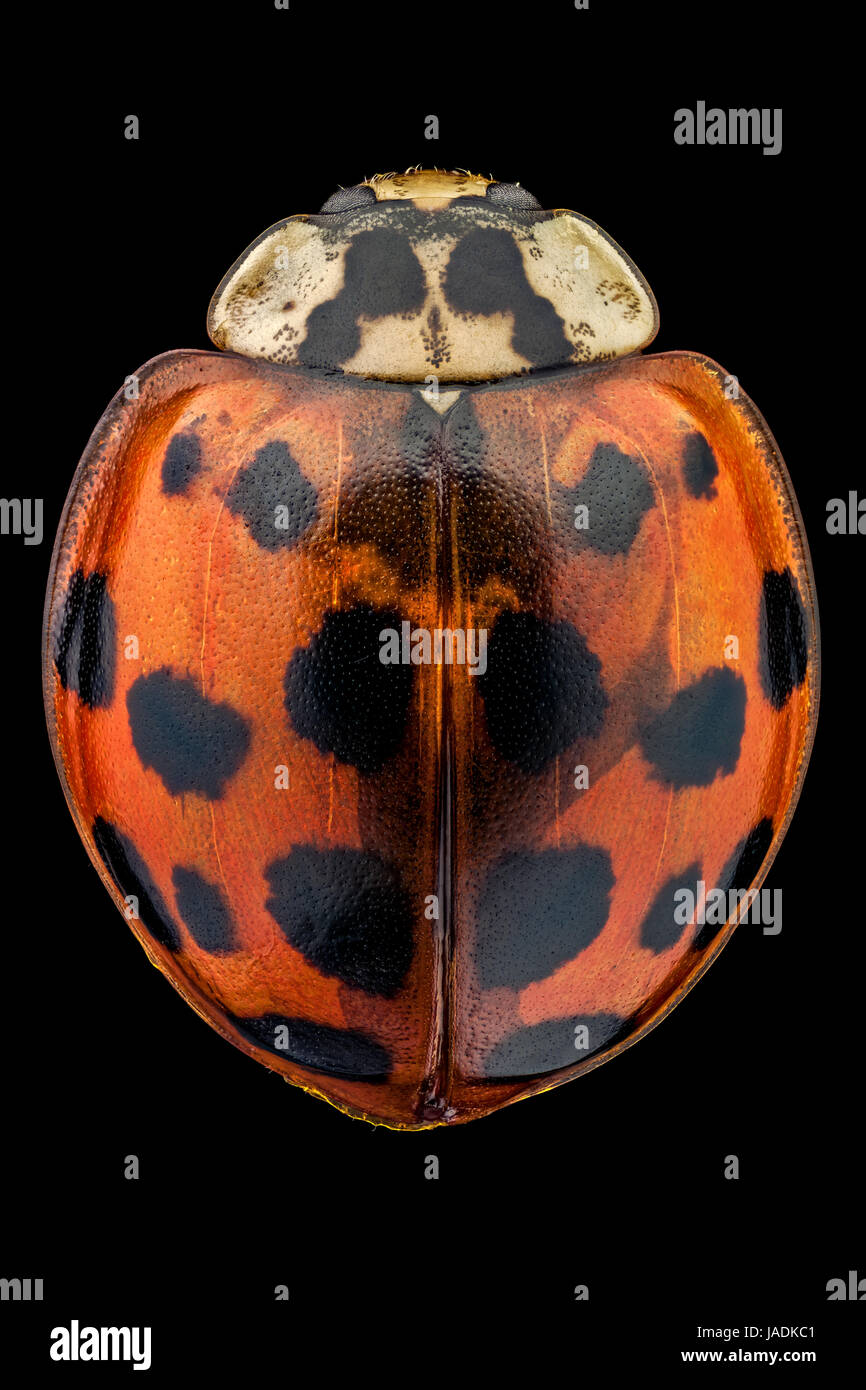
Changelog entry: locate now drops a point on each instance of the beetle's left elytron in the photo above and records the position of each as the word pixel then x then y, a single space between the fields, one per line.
pixel 407 661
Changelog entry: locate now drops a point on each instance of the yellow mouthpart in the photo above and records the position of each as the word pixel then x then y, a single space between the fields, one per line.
pixel 429 183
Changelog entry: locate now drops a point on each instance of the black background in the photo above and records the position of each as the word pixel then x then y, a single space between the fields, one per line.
pixel 616 1180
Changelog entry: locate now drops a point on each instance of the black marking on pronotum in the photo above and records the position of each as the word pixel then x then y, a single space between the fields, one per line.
pixel 86 640
pixel 700 468
pixel 659 930
pixel 486 275
pixel 739 873
pixel 538 910
pixel 381 276
pixel 182 462
pixel 784 650
pixel 341 696
pixel 542 689
pixel 699 734
pixel 132 878
pixel 347 912
pixel 204 910
pixel 272 480
pixel 540 1048
pixel 617 493
pixel 342 1052
pixel 194 744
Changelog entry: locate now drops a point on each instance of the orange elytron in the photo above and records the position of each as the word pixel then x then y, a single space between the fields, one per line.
pixel 425 670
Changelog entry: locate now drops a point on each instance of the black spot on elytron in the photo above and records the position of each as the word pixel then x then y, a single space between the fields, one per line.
pixel 659 929
pixel 542 689
pixel 740 872
pixel 617 492
pixel 500 532
pixel 339 1052
pixel 511 195
pixel 204 911
pixel 784 651
pixel 181 463
pixel 550 1046
pixel 85 647
pixel 347 912
pixel 392 509
pixel 464 445
pixel 194 744
pixel 499 528
pixel 360 195
pixel 742 868
pixel 538 910
pixel 381 276
pixel 132 878
pixel 273 480
pixel 700 468
pixel 699 734
pixel 395 498
pixel 486 275
pixel 421 438
pixel 341 696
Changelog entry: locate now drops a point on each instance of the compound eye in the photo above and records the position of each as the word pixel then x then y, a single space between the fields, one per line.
pixel 347 199
pixel 511 195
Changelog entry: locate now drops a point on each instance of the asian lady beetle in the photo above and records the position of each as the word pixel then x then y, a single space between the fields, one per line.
pixel 406 662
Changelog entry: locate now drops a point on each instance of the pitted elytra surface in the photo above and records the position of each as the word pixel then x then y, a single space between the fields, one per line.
pixel 402 718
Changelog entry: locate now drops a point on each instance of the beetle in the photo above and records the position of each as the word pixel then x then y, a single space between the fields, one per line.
pixel 414 661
